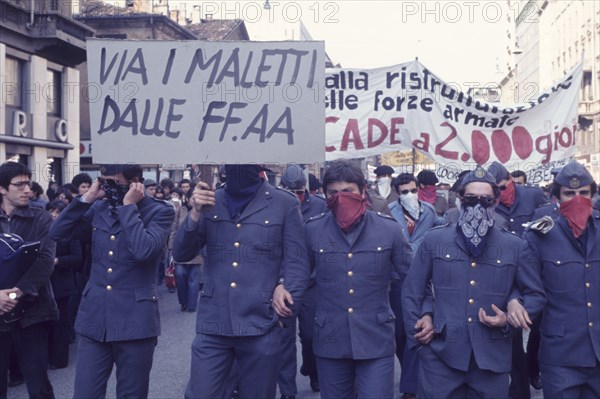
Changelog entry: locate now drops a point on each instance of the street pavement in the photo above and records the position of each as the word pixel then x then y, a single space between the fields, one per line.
pixel 171 369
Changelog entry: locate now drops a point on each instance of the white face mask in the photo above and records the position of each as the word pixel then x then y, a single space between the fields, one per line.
pixel 410 202
pixel 384 187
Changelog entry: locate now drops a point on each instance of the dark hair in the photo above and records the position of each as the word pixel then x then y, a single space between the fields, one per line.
pixel 37 189
pixel 65 191
pixel 10 170
pixel 343 170
pixel 183 181
pixel 519 173
pixel 56 204
pixel 403 178
pixel 177 191
pixel 80 179
pixel 427 177
pixel 556 189
pixel 167 183
pixel 134 171
pixel 71 187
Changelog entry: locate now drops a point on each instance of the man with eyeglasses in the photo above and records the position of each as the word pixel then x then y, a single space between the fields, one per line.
pixel 28 336
pixel 293 179
pixel 568 263
pixel 478 272
pixel 415 217
pixel 118 319
pixel 516 207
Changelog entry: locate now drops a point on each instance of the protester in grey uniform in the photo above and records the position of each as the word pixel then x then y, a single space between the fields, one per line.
pixel 294 180
pixel 118 320
pixel 453 212
pixel 477 271
pixel 255 273
pixel 516 206
pixel 568 255
pixel 27 335
pixel 354 253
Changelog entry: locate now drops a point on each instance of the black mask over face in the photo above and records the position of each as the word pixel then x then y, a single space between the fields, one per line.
pixel 115 192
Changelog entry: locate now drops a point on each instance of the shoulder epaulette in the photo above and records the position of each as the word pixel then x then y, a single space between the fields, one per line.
pixel 319 216
pixel 542 225
pixel 283 190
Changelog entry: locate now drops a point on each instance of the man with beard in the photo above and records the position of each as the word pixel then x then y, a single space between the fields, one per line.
pixel 477 271
pixel 118 320
pixel 516 207
pixel 256 261
pixel 415 218
pixel 568 264
pixel 355 253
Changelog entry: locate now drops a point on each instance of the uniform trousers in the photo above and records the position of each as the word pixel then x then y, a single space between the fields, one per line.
pixel 571 382
pixel 95 361
pixel 519 373
pixel 213 356
pixel 31 348
pixel 372 378
pixel 289 366
pixel 409 361
pixel 306 322
pixel 437 380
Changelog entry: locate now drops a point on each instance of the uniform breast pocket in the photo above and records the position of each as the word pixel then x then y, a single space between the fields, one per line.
pixel 326 264
pixel 562 275
pixel 447 272
pixel 503 277
pixel 381 265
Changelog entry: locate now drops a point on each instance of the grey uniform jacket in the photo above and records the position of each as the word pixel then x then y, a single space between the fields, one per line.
pixel 353 317
pixel 119 301
pixel 462 285
pixel 245 259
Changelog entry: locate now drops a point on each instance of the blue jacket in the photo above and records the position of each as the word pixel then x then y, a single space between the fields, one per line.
pixel 245 259
pixel 527 199
pixel 312 206
pixel 570 326
pixel 428 218
pixel 462 285
pixel 119 301
pixel 353 317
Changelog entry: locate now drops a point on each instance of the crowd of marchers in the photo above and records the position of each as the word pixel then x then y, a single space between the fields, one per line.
pixel 481 289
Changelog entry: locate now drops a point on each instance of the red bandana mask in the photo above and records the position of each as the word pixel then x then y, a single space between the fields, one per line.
pixel 428 194
pixel 347 208
pixel 507 197
pixel 301 197
pixel 576 211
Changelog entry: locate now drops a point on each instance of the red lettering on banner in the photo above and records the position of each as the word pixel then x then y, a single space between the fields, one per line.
pixel 351 129
pixel 331 119
pixel 439 148
pixel 522 142
pixel 422 145
pixel 501 145
pixel 372 122
pixel 394 130
pixel 480 147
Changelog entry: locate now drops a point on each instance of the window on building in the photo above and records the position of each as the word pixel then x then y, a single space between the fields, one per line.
pixel 53 92
pixel 586 86
pixel 13 92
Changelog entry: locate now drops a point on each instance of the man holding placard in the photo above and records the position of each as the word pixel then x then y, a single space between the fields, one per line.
pixel 256 271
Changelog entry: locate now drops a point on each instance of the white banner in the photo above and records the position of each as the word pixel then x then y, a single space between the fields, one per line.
pixel 206 102
pixel 370 112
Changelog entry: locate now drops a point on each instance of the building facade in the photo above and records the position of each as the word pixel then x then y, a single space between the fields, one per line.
pixel 551 37
pixel 41 46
